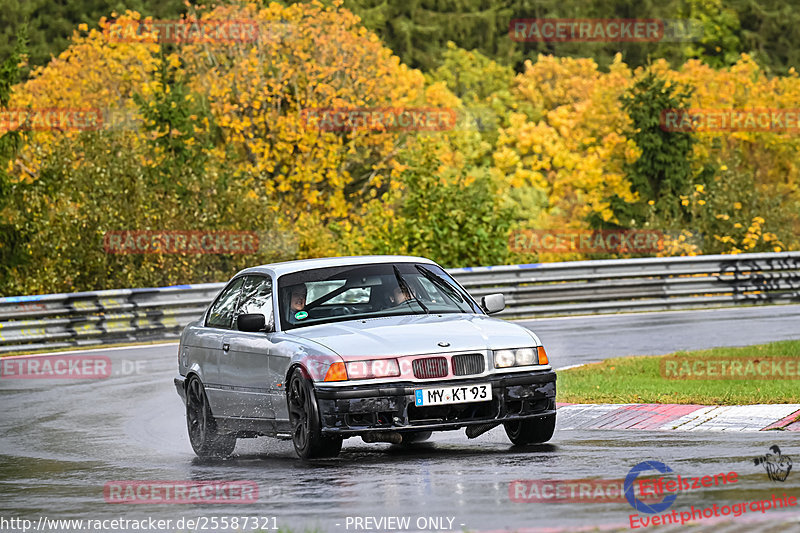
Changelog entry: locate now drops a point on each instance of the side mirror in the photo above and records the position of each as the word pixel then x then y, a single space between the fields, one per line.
pixel 493 303
pixel 251 322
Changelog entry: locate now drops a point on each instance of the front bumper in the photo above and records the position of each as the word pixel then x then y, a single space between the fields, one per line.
pixel 180 385
pixel 362 409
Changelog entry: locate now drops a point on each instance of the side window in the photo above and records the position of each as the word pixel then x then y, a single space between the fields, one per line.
pixel 257 297
pixel 221 314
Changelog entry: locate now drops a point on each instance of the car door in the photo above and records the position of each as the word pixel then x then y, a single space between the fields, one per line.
pixel 211 340
pixel 244 365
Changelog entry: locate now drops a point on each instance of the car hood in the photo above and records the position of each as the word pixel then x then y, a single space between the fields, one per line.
pixel 417 334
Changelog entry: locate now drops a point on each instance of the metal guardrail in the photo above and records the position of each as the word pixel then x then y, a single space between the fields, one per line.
pixel 542 289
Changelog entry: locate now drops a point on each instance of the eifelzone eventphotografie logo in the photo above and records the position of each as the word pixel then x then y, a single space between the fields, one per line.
pixel 776 464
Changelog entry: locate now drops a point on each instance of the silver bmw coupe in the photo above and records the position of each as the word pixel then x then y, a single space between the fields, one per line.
pixel 388 348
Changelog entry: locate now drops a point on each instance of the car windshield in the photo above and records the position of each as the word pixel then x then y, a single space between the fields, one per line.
pixel 368 291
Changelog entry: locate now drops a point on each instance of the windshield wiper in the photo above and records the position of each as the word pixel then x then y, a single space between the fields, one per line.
pixel 442 284
pixel 404 286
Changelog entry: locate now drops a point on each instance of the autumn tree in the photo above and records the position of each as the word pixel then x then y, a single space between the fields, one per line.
pixel 663 170
pixel 218 140
pixel 10 141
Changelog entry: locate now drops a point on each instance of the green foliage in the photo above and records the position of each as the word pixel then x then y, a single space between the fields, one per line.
pixel 472 76
pixel 174 115
pixel 634 54
pixel 10 73
pixel 98 184
pixel 721 45
pixel 52 23
pixel 222 147
pixel 739 214
pixel 484 87
pixel 418 31
pixel 455 223
pixel 770 32
pixel 10 236
pixel 662 172
pixel 455 219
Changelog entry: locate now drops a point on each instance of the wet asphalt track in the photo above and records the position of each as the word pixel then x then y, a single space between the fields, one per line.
pixel 61 441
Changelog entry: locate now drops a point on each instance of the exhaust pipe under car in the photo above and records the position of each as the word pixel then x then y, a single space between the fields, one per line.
pixel 480 429
pixel 392 437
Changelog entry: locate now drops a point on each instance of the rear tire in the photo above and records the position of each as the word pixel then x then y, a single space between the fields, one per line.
pixel 205 440
pixel 531 431
pixel 309 443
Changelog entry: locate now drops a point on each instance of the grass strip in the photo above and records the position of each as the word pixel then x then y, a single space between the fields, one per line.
pixel 642 379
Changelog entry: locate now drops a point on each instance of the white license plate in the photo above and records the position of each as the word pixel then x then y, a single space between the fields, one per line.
pixel 457 394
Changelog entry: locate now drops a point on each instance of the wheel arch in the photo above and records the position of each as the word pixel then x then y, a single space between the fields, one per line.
pixel 297 366
pixel 194 374
pixel 189 375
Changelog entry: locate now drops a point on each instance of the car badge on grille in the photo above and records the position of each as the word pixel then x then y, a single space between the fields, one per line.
pixel 444 344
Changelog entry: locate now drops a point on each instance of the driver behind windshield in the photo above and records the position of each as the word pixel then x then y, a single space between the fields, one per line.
pixel 297 303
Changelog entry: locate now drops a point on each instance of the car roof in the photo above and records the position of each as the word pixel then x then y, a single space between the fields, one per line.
pixel 288 267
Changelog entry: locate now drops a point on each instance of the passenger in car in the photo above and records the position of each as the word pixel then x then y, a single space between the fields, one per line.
pixel 400 295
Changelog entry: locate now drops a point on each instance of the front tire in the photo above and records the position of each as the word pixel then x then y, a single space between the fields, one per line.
pixel 205 440
pixel 309 443
pixel 531 431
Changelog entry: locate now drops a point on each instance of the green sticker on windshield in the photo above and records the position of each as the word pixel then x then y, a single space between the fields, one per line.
pixel 300 315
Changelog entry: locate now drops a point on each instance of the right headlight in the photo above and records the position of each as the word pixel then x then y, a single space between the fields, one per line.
pixel 525 356
pixel 520 357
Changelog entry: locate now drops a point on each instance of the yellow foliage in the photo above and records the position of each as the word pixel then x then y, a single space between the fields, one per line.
pixel 576 152
pixel 306 56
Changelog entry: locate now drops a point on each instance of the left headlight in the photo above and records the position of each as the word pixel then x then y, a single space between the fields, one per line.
pixel 520 357
pixel 370 369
